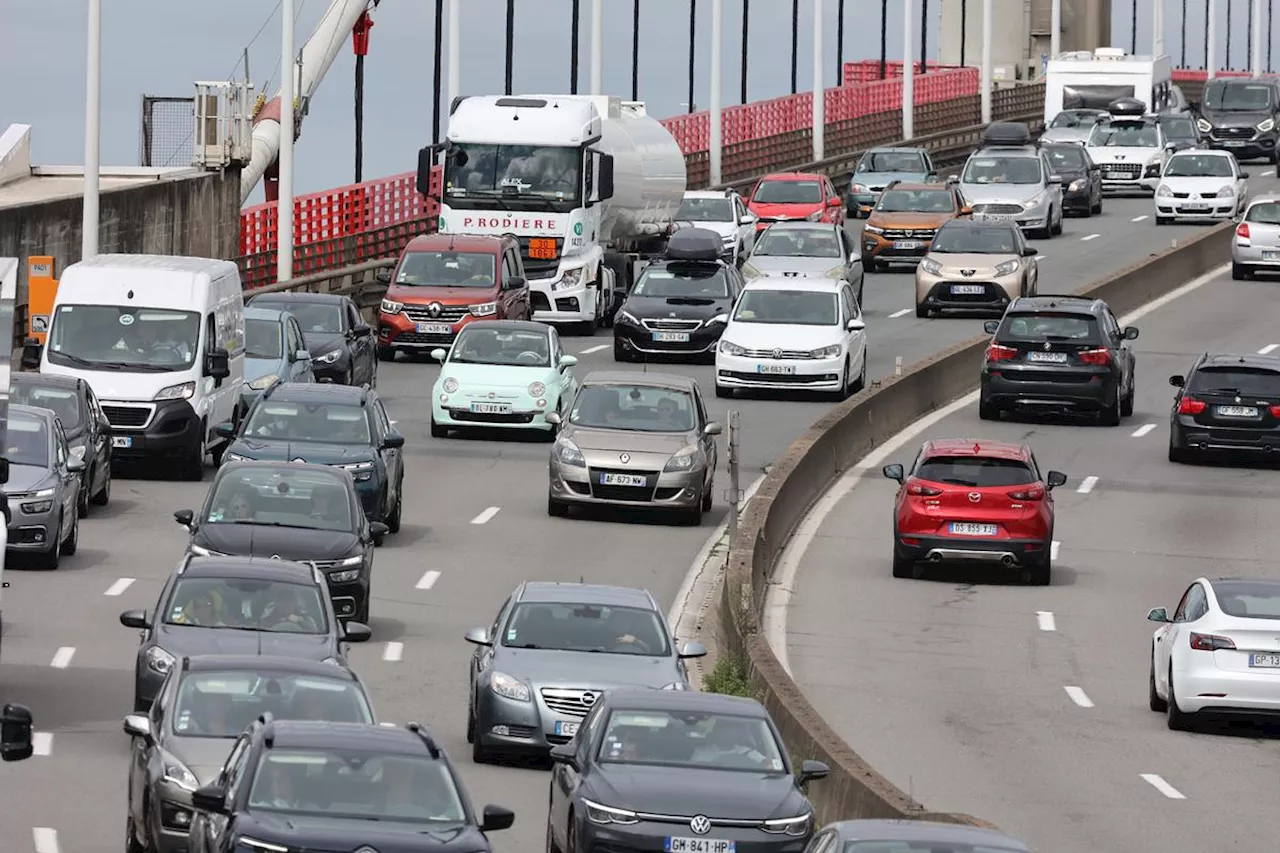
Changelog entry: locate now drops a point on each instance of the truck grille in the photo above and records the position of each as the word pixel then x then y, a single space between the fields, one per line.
pixel 1002 209
pixel 129 417
pixel 448 313
pixel 569 702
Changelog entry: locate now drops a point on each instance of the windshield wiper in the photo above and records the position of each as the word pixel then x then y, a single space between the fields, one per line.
pixel 269 524
pixel 956 481
pixel 109 365
pixel 494 195
pixel 548 203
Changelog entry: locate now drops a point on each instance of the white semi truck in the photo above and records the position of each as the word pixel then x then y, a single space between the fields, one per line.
pixel 589 185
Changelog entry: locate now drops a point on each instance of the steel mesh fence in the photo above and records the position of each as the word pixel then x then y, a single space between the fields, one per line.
pixel 168 128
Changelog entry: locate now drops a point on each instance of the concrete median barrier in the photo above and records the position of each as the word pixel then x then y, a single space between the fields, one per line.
pixel 814 462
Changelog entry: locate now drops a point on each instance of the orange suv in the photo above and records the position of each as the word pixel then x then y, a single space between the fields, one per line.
pixel 901 227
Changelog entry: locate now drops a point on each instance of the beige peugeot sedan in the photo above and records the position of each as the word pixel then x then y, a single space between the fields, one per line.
pixel 975 266
pixel 634 439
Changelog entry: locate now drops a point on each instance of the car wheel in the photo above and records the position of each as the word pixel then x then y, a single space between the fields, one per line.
pixel 193 460
pixel 843 392
pixel 72 543
pixel 903 568
pixel 556 509
pixel 438 431
pixel 1239 272
pixel 479 753
pixel 52 558
pixel 1040 572
pixel 722 391
pixel 708 497
pixel 861 381
pixel 82 496
pixel 1110 416
pixel 691 516
pixel 1126 404
pixel 922 312
pixel 572 833
pixel 988 411
pixel 620 353
pixel 1154 702
pixel 386 354
pixel 1055 230
pixel 104 492
pixel 471 724
pixel 551 846
pixel 1181 455
pixel 393 518
pixel 1097 206
pixel 1163 220
pixel 1178 720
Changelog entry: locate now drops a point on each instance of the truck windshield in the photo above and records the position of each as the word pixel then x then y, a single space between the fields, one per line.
pixel 119 337
pixel 550 173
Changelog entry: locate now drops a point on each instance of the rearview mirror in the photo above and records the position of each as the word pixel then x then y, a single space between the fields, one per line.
pixel 383 275
pixel 747 220
pixel 226 429
pixel 1055 479
pixel 834 202
pixel 712 428
pixel 552 418
pixel 302 355
pixel 393 441
pixel 15 732
pixel 953 179
pixel 991 326
pixel 478 637
pixel 496 818
pixel 1130 333
pixel 894 472
pixel 1171 146
pixel 210 798
pixel 1177 380
pixel 966 211
pixel 184 517
pixel 439 354
pixel 693 650
pixel 568 360
pixel 1157 614
pixel 1029 252
pixel 565 754
pixel 137 725
pixel 855 325
pixel 356 632
pixel 810 770
pixel 135 619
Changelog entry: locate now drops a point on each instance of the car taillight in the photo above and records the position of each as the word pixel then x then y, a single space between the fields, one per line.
pixel 1191 406
pixel 1210 642
pixel 1095 356
pixel 1242 230
pixel 922 491
pixel 1275 411
pixel 1032 493
pixel 995 352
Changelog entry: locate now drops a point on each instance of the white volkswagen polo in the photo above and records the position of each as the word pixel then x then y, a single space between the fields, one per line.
pixel 794 334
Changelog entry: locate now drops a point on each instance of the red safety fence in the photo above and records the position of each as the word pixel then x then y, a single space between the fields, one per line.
pixel 868 70
pixel 1199 75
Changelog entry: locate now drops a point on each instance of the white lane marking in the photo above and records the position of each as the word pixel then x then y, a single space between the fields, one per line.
pixel 487 515
pixel 42 742
pixel 1143 430
pixel 904 312
pixel 62 659
pixel 1269 173
pixel 1044 618
pixel 46 839
pixel 1079 697
pixel 1138 218
pixel 119 586
pixel 1039 257
pixel 590 350
pixel 1268 349
pixel 1162 786
pixel 428 580
pixel 778 598
pixel 1086 485
pixel 393 652
pixel 1088 237
pixel 1054 548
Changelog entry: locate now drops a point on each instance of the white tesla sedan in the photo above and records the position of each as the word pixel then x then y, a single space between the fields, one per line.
pixel 1219 653
pixel 1199 184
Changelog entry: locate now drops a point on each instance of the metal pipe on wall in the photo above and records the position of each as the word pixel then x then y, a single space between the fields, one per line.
pixel 575 23
pixel 908 73
pixel 795 45
pixel 717 118
pixel 93 133
pixel 693 41
pixel 437 72
pixel 1256 17
pixel 924 36
pixel 635 50
pixel 509 80
pixel 819 90
pixel 839 42
pixel 284 205
pixel 964 27
pixel 987 27
pixel 884 38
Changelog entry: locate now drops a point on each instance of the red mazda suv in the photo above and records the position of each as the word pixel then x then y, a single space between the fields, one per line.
pixel 974 501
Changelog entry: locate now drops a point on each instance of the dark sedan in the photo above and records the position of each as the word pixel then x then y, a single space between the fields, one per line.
pixel 236 605
pixel 1081 178
pixel 911 836
pixel 663 771
pixel 339 340
pixel 87 430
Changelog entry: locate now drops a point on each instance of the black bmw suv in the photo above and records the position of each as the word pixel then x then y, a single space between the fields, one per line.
pixel 1227 404
pixel 293 786
pixel 1054 354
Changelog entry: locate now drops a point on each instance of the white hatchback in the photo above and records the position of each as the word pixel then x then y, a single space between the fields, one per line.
pixel 794 334
pixel 1199 184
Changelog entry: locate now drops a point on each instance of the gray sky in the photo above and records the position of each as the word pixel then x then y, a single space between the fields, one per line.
pixel 161 48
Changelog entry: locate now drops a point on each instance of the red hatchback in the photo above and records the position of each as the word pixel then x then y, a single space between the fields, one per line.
pixel 974 501
pixel 795 195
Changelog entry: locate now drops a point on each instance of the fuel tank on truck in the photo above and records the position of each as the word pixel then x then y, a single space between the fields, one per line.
pixel 648 171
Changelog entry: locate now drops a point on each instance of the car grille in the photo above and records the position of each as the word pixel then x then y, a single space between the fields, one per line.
pixel 540 267
pixel 1130 171
pixel 421 340
pixel 794 379
pixel 640 494
pixel 909 233
pixel 569 702
pixel 1001 209
pixel 1232 133
pixel 128 416
pixel 491 417
pixel 448 313
pixel 671 325
pixel 777 354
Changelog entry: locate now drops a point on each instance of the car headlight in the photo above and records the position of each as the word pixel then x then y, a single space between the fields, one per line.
pixel 1006 267
pixel 834 272
pixel 1031 202
pixel 816 216
pixel 597 813
pixel 1226 192
pixel 568 279
pixel 729 348
pixel 1076 186
pixel 859 188
pixel 719 318
pixel 484 309
pixel 344 576
pixel 329 357
pixel 537 389
pixel 201 551
pixel 176 773
pixel 78 451
pixel 260 846
pixel 235 457
pixel 567 453
pixel 1266 125
pixel 873 229
pixel 360 471
pixel 930 266
pixel 827 352
pixel 37 507
pixel 1163 191
pixel 450 385
pixel 798 825
pixel 182 391
pixel 511 688
pixel 675 685
pixel 262 382
pixel 158 659
pixel 1203 126
pixel 1156 159
pixel 389 307
pixel 629 317
pixel 685 459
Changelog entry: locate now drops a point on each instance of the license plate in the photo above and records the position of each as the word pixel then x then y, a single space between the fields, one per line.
pixel 965 528
pixel 699 845
pixel 908 244
pixel 775 369
pixel 491 408
pixel 670 337
pixel 1115 176
pixel 1234 143
pixel 566 728
pixel 434 329
pixel 997 217
pixel 1269 661
pixel 622 480
pixel 1049 357
pixel 1237 411
pixel 967 288
pixel 1271 256
pixel 1196 208
pixel 122 441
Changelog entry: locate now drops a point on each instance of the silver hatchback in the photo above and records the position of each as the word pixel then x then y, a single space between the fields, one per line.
pixel 1256 247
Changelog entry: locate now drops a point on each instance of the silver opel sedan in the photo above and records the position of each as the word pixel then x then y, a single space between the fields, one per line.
pixel 634 439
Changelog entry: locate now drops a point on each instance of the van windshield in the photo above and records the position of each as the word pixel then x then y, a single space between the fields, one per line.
pixel 124 337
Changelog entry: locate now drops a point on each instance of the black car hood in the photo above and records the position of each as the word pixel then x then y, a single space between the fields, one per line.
pixel 203 756
pixel 181 640
pixel 307 832
pixel 1235 118
pixel 1072 174
pixel 691 791
pixel 319 343
pixel 675 308
pixel 287 543
pixel 274 450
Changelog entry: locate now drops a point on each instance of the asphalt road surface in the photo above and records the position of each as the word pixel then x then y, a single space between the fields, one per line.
pixel 1027 706
pixel 475 525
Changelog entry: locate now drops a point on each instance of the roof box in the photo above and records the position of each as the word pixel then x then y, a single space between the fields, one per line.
pixel 695 244
pixel 1006 133
pixel 1127 108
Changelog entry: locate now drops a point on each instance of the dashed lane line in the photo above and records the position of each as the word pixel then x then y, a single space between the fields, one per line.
pixel 1269 173
pixel 1054 548
pixel 119 586
pixel 1086 485
pixel 590 350
pixel 1139 218
pixel 1142 430
pixel 428 580
pixel 1044 618
pixel 486 516
pixel 1155 781
pixel 393 652
pixel 1268 349
pixel 1088 237
pixel 42 743
pixel 62 658
pixel 1040 257
pixel 1079 697
pixel 46 839
pixel 904 312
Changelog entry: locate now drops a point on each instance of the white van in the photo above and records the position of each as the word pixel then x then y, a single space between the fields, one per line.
pixel 160 339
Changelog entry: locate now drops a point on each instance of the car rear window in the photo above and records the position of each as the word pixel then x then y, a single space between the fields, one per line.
pixel 1248 599
pixel 1264 213
pixel 1049 326
pixel 1251 381
pixel 975 471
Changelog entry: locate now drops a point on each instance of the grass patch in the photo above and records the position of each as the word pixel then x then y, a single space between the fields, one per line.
pixel 728 676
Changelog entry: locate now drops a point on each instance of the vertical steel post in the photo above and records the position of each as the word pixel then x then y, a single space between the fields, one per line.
pixel 92 132
pixel 735 495
pixel 284 202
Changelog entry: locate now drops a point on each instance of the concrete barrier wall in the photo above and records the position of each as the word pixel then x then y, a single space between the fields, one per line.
pixel 814 462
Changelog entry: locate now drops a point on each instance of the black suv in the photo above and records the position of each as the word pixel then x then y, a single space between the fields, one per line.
pixel 679 306
pixel 327 425
pixel 340 341
pixel 1226 403
pixel 339 786
pixel 1240 115
pixel 1054 353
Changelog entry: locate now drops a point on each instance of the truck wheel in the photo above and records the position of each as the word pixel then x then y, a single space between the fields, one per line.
pixel 193 459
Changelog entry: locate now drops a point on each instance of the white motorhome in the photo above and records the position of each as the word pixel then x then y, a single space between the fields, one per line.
pixel 1093 79
pixel 160 340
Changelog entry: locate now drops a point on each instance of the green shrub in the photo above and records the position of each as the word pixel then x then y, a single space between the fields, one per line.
pixel 728 676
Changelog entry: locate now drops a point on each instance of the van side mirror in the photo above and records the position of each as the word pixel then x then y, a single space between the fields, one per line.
pixel 810 770
pixel 1056 179
pixel 4 470
pixel 478 637
pixel 894 472
pixel 565 753
pixel 217 363
pixel 1178 380
pixel 426 160
pixel 383 275
pixel 32 349
pixel 15 732
pixel 377 529
pixel 712 428
pixel 363 330
pixel 393 441
pixel 135 619
pixel 137 725
pixel 693 650
pixel 604 178
pixel 210 798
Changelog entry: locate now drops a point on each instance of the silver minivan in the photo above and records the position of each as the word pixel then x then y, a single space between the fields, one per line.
pixel 1256 247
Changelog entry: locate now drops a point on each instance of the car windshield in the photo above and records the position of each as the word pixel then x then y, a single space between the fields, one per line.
pixel 447 269
pixel 706 210
pixel 1247 381
pixel 1041 327
pixel 799 243
pixel 1179 128
pixel 248 604
pixel 788 192
pixel 975 471
pixel 585 628
pixel 328 423
pixel 644 408
pixel 27 440
pixel 1002 170
pixel 263 339
pixel 968 240
pixel 1245 599
pixel 549 172
pixel 113 337
pixel 1264 213
pixel 893 161
pixel 351 783
pixel 691 739
pixel 1067 118
pixel 1124 136
pixel 1237 97
pixel 507 347
pixel 223 703
pixel 683 281
pixel 315 318
pixel 966 846
pixel 788 307
pixel 1199 166
pixel 280 496
pixel 62 401
pixel 916 201
pixel 1068 158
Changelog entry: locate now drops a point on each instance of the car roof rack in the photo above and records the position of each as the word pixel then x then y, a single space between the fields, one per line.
pixel 1127 108
pixel 425 736
pixel 695 244
pixel 1006 134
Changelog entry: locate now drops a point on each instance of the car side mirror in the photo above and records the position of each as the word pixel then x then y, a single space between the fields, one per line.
pixel 552 418
pixel 74 465
pixel 383 275
pixel 377 529
pixel 567 361
pixel 834 202
pixel 1178 380
pixel 1029 252
pixel 1055 479
pixel 1244 174
pixel 135 619
pixel 478 637
pixel 991 327
pixel 439 354
pixel 515 282
pixel 1157 614
pixel 363 330
pixel 137 725
pixel 810 770
pixel 210 798
pixel 953 179
pixel 496 818
pixel 1056 179
pixel 1171 146
pixel 894 472
pixel 856 325
pixel 32 349
pixel 226 430
pixel 184 517
pixel 302 355
pixel 747 220
pixel 4 470
pixel 712 428
pixel 966 211
pixel 693 650
pixel 15 732
pixel 1130 333
pixel 1193 105
pixel 217 363
pixel 356 632
pixel 393 441
pixel 565 753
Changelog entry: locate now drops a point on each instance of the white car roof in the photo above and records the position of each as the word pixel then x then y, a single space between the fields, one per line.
pixel 710 193
pixel 779 282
